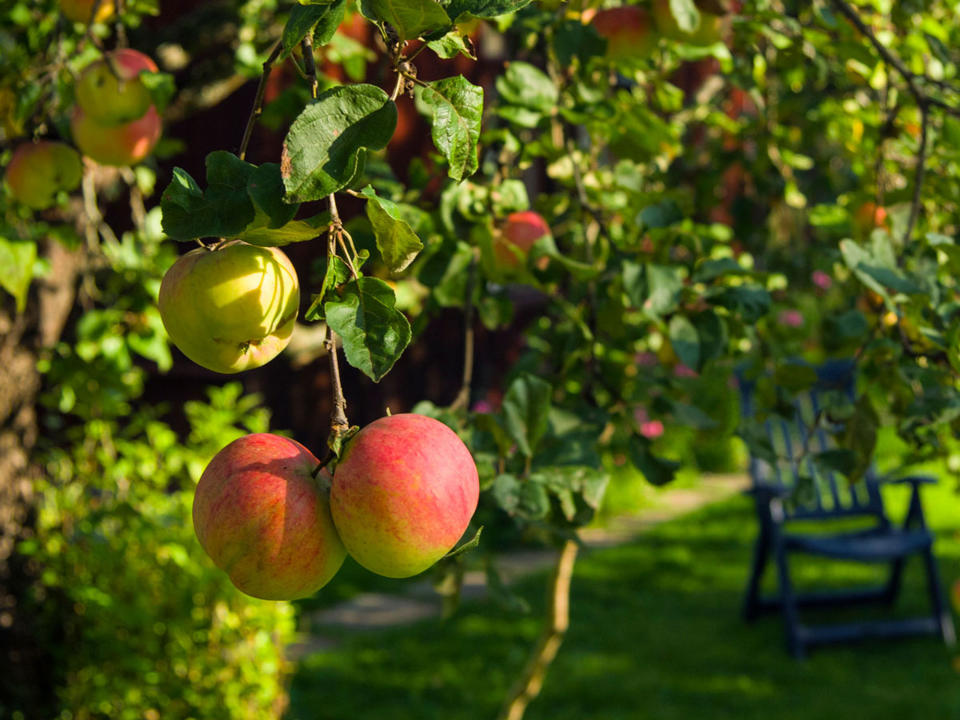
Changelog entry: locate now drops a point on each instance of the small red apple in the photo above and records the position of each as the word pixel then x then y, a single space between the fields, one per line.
pixel 265 520
pixel 110 90
pixel 870 216
pixel 403 494
pixel 125 144
pixel 520 231
pixel 38 171
pixel 628 31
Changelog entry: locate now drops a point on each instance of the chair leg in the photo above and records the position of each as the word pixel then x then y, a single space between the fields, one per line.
pixel 892 590
pixel 940 611
pixel 761 553
pixel 788 605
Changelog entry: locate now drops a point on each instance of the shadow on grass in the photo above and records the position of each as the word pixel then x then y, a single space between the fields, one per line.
pixel 655 633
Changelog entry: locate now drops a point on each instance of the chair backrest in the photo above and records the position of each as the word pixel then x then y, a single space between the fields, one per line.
pixel 814 492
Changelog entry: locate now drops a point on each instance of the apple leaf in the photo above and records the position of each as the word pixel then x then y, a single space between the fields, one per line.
pixel 468 545
pixel 456 106
pixel 161 87
pixel 686 14
pixel 265 187
pixel 293 231
pixel 16 268
pixel 335 274
pixel 322 151
pixel 397 242
pixel 657 471
pixel 224 209
pixel 373 331
pixel 483 8
pixel 451 45
pixel 685 341
pixel 410 18
pixel 322 19
pixel 528 87
pixel 526 409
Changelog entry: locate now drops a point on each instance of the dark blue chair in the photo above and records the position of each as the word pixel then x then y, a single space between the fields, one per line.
pixel 794 488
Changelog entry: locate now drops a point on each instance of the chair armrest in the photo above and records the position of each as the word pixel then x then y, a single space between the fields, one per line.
pixel 914 480
pixel 768 492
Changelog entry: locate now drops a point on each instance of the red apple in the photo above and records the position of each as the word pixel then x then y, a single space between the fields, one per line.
pixel 110 91
pixel 870 216
pixel 403 494
pixel 125 144
pixel 233 308
pixel 519 233
pixel 265 520
pixel 628 31
pixel 81 10
pixel 38 171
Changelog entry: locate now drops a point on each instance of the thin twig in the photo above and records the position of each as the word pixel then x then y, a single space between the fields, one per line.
pixel 338 415
pixel 309 63
pixel 918 175
pixel 558 620
pixel 398 88
pixel 120 29
pixel 463 396
pixel 258 99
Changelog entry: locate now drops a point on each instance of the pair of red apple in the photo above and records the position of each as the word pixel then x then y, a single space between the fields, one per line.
pixel 400 498
pixel 115 121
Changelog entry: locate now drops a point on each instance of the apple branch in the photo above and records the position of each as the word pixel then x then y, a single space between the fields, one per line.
pixel 339 425
pixel 258 99
pixel 120 29
pixel 462 400
pixel 558 620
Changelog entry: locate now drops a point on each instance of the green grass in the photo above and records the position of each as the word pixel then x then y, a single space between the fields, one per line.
pixel 655 633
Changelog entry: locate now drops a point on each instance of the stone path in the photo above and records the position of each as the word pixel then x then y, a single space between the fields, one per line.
pixel 371 611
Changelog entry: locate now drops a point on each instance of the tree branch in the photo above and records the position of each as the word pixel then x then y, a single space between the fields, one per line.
pixel 918 175
pixel 258 99
pixel 558 620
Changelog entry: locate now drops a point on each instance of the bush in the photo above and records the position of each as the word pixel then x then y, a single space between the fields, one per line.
pixel 141 624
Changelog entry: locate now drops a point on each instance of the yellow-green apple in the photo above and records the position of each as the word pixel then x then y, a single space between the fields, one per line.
pixel 125 144
pixel 628 31
pixel 403 493
pixel 110 91
pixel 81 10
pixel 520 231
pixel 708 32
pixel 265 520
pixel 233 308
pixel 38 171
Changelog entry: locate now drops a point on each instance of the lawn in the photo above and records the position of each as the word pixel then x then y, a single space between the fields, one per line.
pixel 655 633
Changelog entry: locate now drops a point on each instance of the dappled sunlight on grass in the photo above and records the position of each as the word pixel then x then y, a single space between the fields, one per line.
pixel 655 633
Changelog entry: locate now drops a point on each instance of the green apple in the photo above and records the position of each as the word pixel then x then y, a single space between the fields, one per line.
pixel 110 91
pixel 125 144
pixel 38 171
pixel 233 308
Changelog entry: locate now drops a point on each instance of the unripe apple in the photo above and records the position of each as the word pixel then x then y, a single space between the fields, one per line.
pixel 125 144
pixel 628 31
pixel 709 31
pixel 38 171
pixel 870 216
pixel 520 231
pixel 265 520
pixel 80 10
pixel 403 493
pixel 233 308
pixel 110 90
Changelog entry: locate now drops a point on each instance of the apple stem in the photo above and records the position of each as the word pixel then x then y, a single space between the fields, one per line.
pixel 547 647
pixel 463 396
pixel 258 99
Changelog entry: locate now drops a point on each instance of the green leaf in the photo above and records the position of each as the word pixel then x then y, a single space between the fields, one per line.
pixel 876 267
pixel 321 153
pixel 451 45
pixel 161 87
pixel 302 20
pixel 16 268
pixel 265 187
pixel 293 232
pixel 327 27
pixel 335 274
pixel 685 341
pixel 468 545
pixel 526 409
pixel 529 87
pixel 686 15
pixel 224 209
pixel 373 331
pixel 527 499
pixel 483 8
pixel 750 301
pixel 397 242
pixel 456 106
pixel 574 39
pixel 410 18
pixel 657 471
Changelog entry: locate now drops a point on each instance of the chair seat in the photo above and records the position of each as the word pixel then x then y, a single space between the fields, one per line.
pixel 877 545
